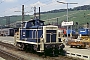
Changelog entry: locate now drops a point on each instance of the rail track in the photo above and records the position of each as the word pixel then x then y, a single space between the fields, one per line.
pixel 9 56
pixel 4 53
pixel 9 52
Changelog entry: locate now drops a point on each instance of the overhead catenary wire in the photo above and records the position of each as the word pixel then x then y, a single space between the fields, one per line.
pixel 35 6
pixel 21 4
pixel 15 6
pixel 28 6
pixel 40 6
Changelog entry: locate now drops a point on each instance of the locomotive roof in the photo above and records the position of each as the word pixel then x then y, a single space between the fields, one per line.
pixel 33 20
pixel 36 19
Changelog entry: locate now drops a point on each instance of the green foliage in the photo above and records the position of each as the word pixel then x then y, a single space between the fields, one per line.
pixel 80 16
pixel 13 19
pixel 77 14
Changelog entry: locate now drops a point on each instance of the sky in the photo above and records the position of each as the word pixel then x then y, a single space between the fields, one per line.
pixel 9 7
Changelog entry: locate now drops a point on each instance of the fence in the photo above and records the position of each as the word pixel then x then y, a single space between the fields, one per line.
pixel 82 56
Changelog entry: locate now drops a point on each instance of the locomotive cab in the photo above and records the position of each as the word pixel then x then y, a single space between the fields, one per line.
pixel 32 23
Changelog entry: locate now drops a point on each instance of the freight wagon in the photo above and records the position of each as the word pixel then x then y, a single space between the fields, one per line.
pixel 8 31
pixel 84 31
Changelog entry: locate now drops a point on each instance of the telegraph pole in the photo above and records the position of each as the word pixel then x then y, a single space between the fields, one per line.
pixel 67 14
pixel 57 21
pixel 34 12
pixel 22 15
pixel 7 21
pixel 39 12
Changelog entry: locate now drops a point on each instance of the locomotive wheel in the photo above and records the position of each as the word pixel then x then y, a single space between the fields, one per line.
pixel 62 52
pixel 22 47
pixel 47 52
pixel 71 46
pixel 51 52
pixel 55 52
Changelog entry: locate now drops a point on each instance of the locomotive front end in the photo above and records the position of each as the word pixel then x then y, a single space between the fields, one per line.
pixel 50 42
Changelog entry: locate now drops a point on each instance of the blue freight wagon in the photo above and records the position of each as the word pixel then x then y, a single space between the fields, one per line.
pixel 84 31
